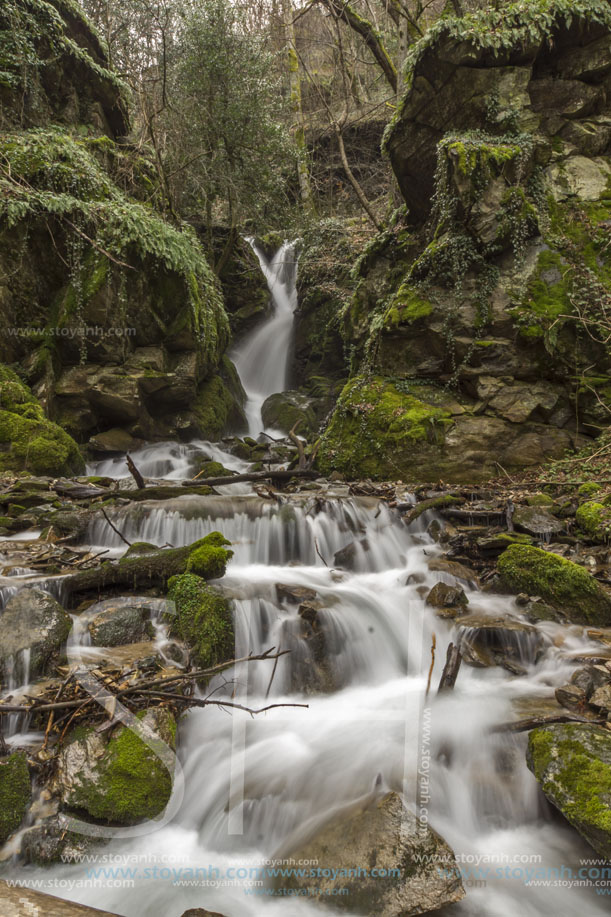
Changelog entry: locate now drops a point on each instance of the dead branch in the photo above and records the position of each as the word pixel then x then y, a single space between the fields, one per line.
pixel 450 669
pixel 134 472
pixel 115 529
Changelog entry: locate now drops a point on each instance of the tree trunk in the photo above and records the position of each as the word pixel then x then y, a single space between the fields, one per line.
pixel 353 180
pixel 369 35
pixel 303 171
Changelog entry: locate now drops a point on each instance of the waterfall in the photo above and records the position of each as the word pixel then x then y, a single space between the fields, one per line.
pixel 262 358
pixel 254 782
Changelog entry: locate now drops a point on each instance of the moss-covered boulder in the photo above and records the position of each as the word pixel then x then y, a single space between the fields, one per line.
pixel 33 629
pixel 558 581
pixel 121 779
pixel 203 619
pixel 28 440
pixel 283 410
pixel 218 407
pixel 116 624
pixel 594 519
pixel 15 793
pixel 572 763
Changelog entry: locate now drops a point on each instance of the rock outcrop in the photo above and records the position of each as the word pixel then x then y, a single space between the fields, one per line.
pixel 113 313
pixel 480 312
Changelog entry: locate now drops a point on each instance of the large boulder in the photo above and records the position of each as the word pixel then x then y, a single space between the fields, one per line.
pixel 283 410
pixel 558 581
pixel 115 624
pixel 382 835
pixel 572 763
pixel 202 619
pixel 33 629
pixel 119 779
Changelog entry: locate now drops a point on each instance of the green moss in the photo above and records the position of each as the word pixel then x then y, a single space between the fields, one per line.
pixel 131 782
pixel 539 500
pixel 216 409
pixel 572 763
pixel 139 548
pixel 557 581
pixel 34 443
pixel 547 295
pixel 406 307
pixel 15 793
pixel 203 619
pixel 209 559
pixel 212 470
pixel 588 489
pixel 375 428
pixel 595 520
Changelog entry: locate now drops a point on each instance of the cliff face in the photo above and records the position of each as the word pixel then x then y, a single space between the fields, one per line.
pixel 483 314
pixel 114 317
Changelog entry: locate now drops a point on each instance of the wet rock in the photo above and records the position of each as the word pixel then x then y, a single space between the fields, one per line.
pixel 285 409
pixel 444 596
pixel 48 842
pixel 294 594
pixel 117 779
pixel 21 901
pixel 117 624
pixel 15 793
pixel 347 558
pixel 460 571
pixel 138 548
pixel 200 912
pixel 590 677
pixel 32 622
pixel 493 545
pixel 601 698
pixel 537 520
pixel 503 641
pixel 572 763
pixel 558 581
pixel 115 440
pixel 384 835
pixel 69 522
pixel 571 696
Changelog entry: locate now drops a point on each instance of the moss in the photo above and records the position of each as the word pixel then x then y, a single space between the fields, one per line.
pixel 557 581
pixel 15 793
pixel 131 782
pixel 588 489
pixel 34 443
pixel 375 428
pixel 595 520
pixel 216 409
pixel 547 295
pixel 203 619
pixel 209 559
pixel 406 307
pixel 139 548
pixel 212 470
pixel 573 765
pixel 539 500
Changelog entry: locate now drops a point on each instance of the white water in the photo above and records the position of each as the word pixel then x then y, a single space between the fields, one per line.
pixel 262 359
pixel 253 783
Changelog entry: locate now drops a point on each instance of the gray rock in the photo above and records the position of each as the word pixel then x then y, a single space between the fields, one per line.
pixel 347 557
pixel 118 624
pixel 601 698
pixel 383 834
pixel 444 596
pixel 32 622
pixel 504 641
pixel 537 520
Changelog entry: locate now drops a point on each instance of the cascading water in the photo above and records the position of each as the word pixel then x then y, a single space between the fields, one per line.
pixel 262 359
pixel 253 783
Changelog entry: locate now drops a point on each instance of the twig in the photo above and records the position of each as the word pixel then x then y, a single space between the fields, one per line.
pixel 134 472
pixel 428 684
pixel 115 529
pixel 318 552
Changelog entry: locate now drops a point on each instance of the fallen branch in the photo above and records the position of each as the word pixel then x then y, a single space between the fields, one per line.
pixel 533 722
pixel 254 476
pixel 115 529
pixel 450 669
pixel 134 472
pixel 428 683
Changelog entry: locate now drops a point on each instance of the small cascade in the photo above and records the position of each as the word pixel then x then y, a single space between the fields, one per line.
pixel 169 461
pixel 262 358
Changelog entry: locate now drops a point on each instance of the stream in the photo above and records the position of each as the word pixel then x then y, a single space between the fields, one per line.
pixel 254 784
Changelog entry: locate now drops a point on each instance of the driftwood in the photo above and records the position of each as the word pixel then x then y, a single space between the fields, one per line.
pixel 485 516
pixel 533 722
pixel 134 472
pixel 115 529
pixel 450 669
pixel 25 902
pixel 253 476
pixel 142 571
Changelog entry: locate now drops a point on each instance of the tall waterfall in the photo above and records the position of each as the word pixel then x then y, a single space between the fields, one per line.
pixel 262 358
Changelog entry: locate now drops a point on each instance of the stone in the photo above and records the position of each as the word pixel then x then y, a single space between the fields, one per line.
pixel 382 834
pixel 601 698
pixel 558 581
pixel 285 409
pixel 460 571
pixel 118 778
pixel 348 558
pixel 443 596
pixel 580 177
pixel 571 696
pixel 294 595
pixel 19 901
pixel 519 403
pixel 33 629
pixel 118 624
pixel 115 440
pixel 537 520
pixel 505 641
pixel 572 763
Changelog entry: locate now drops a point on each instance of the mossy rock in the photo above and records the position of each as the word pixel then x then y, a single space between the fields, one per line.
pixel 558 581
pixel 28 440
pixel 209 557
pixel 122 780
pixel 572 763
pixel 138 548
pixel 203 619
pixel 15 793
pixel 594 519
pixel 380 432
pixel 285 410
pixel 218 407
pixel 212 470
